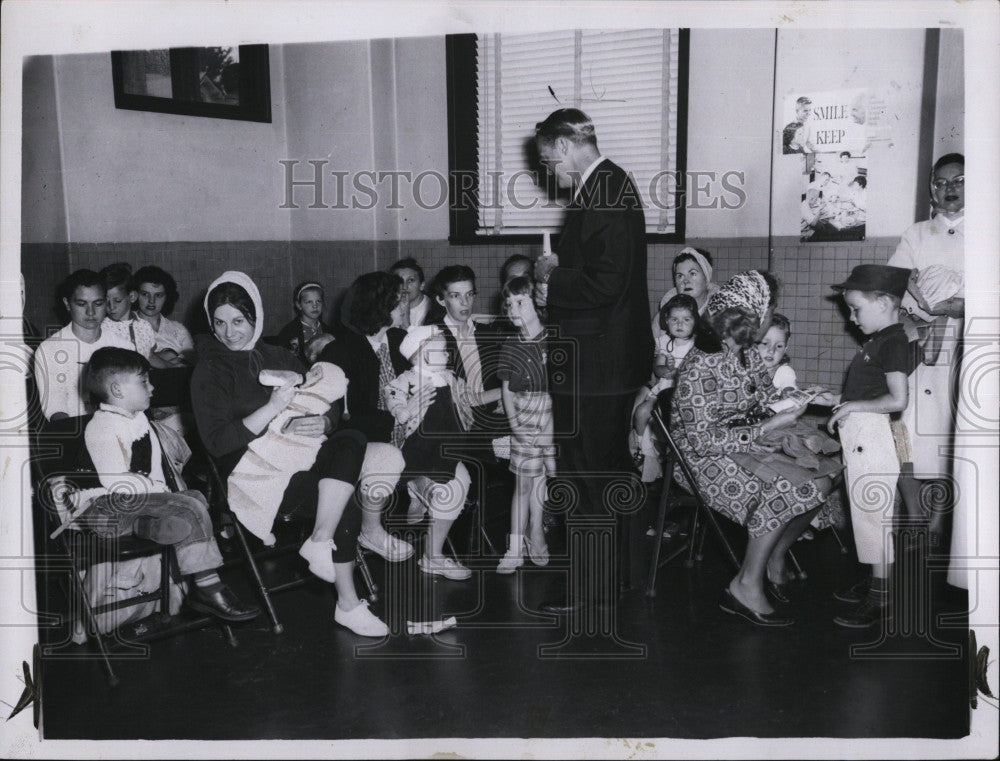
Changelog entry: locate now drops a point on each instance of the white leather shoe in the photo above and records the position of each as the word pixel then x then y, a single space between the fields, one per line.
pixel 392 549
pixel 444 567
pixel 320 557
pixel 361 621
pixel 510 562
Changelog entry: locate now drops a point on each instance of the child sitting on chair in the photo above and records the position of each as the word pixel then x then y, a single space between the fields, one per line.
pixel 139 495
pixel 680 322
pixel 526 399
pixel 429 401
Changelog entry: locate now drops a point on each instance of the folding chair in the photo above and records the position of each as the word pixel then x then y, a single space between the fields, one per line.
pixel 696 534
pixel 218 498
pixel 55 463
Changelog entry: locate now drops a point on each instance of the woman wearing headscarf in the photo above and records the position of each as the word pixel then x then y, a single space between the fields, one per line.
pixel 714 413
pixel 232 408
pixel 692 273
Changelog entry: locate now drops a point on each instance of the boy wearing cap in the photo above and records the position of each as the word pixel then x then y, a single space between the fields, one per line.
pixel 876 387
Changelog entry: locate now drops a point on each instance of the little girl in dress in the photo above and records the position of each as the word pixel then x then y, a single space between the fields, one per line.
pixel 526 400
pixel 680 322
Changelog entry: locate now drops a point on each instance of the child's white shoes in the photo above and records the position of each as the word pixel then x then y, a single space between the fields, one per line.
pixel 320 557
pixel 539 553
pixel 512 560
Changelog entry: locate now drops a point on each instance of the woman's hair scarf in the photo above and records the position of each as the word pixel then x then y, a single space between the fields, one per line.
pixel 700 259
pixel 243 280
pixel 748 291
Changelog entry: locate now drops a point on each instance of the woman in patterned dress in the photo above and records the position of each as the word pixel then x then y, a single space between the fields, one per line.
pixel 712 415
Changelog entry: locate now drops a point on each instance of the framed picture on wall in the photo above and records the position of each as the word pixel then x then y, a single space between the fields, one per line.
pixel 219 82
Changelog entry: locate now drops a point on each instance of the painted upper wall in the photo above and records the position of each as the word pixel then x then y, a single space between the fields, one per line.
pixel 142 176
pixel 730 76
pixel 380 105
pixel 949 111
pixel 43 205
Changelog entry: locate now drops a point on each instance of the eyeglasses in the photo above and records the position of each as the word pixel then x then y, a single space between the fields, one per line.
pixel 956 182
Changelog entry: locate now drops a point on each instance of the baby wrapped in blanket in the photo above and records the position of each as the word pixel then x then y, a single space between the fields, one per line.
pixel 258 482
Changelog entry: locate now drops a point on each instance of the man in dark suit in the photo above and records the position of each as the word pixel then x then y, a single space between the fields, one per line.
pixel 599 303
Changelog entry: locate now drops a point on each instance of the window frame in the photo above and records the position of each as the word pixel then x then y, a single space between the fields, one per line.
pixel 463 145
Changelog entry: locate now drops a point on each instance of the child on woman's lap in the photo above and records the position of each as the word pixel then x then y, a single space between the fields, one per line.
pixel 772 349
pixel 680 322
pixel 428 400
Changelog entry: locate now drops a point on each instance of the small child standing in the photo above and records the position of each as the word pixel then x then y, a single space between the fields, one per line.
pixel 308 322
pixel 526 400
pixel 772 348
pixel 680 322
pixel 876 386
pixel 117 280
pixel 428 401
pixel 139 494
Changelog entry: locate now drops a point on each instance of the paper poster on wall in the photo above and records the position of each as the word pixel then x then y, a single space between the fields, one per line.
pixel 833 201
pixel 824 122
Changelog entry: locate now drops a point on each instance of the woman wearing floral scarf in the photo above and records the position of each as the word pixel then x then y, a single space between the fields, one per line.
pixel 718 393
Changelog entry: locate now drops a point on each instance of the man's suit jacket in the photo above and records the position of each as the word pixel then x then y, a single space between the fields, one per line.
pixel 354 354
pixel 598 298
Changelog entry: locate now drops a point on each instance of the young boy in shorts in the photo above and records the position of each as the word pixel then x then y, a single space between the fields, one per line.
pixel 876 387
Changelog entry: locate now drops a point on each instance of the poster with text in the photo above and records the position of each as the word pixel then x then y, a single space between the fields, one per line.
pixel 833 202
pixel 825 122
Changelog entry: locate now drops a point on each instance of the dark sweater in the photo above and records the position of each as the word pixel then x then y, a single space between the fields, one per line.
pixel 354 354
pixel 225 389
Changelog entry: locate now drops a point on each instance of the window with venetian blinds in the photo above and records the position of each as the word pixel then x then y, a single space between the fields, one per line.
pixel 627 81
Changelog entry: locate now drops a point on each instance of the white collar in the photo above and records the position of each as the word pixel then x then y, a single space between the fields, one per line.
pixel 456 326
pixel 950 222
pixel 377 342
pixel 105 407
pixel 434 376
pixel 586 176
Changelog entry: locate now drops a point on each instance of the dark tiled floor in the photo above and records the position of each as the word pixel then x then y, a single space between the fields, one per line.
pixel 679 668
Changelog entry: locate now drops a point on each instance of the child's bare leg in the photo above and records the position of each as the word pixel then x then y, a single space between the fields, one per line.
pixel 643 412
pixel 536 507
pixel 538 550
pixel 520 504
pixel 519 507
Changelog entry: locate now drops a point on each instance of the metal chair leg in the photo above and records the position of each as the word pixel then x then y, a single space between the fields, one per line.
pixel 836 535
pixel 366 575
pixel 661 522
pixel 91 621
pixel 276 626
pixel 798 568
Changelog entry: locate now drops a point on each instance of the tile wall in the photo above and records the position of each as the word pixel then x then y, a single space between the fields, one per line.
pixel 821 346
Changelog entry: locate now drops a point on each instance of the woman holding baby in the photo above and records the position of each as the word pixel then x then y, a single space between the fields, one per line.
pixel 233 410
